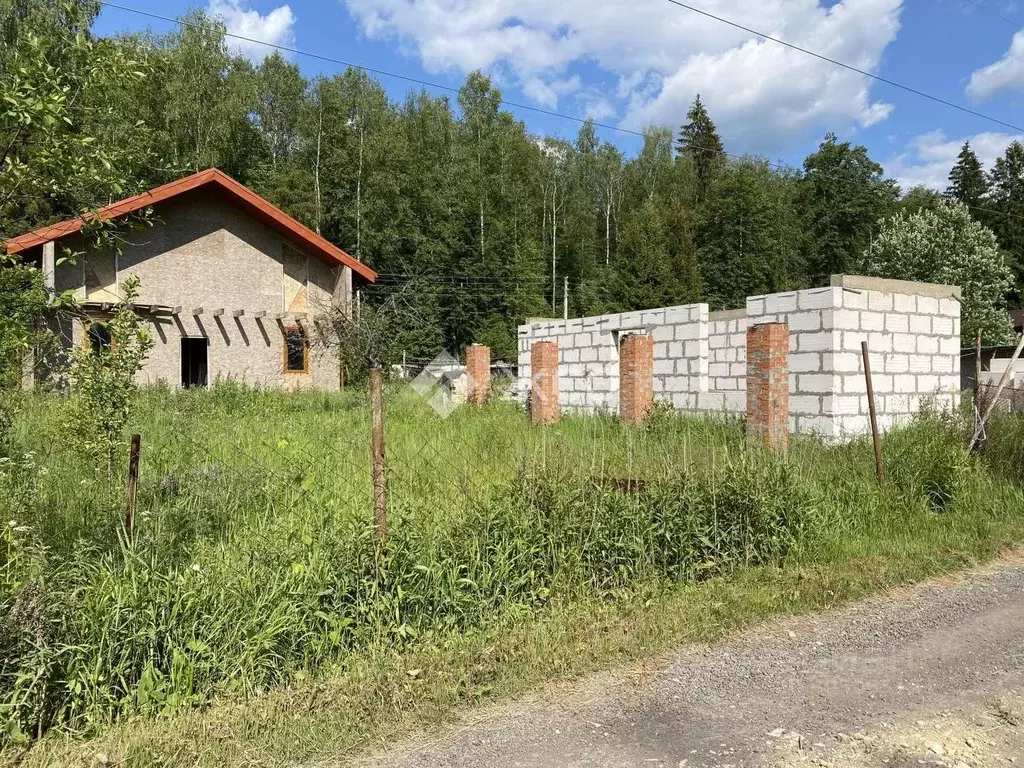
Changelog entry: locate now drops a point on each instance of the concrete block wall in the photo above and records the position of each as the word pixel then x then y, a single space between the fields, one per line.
pixel 589 354
pixel 727 347
pixel 913 334
pixel 913 331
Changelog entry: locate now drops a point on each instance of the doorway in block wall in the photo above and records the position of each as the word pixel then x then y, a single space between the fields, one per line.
pixel 194 358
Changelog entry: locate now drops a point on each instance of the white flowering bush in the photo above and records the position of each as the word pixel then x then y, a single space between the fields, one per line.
pixel 946 245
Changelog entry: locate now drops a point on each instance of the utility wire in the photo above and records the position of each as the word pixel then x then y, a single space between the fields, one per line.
pixel 450 89
pixel 981 5
pixel 364 68
pixel 382 277
pixel 550 113
pixel 864 72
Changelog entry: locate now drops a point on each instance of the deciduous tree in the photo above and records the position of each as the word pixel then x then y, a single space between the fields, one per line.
pixel 949 246
pixel 843 194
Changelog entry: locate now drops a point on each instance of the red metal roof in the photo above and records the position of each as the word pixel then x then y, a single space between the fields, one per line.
pixel 220 182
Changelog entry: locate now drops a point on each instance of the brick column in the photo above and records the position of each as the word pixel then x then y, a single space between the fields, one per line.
pixel 768 384
pixel 636 378
pixel 544 392
pixel 478 368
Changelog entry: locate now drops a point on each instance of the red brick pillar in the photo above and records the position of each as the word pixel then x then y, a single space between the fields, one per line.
pixel 636 378
pixel 768 384
pixel 544 393
pixel 478 368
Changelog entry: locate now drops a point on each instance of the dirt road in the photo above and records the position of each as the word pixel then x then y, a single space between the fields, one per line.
pixel 929 676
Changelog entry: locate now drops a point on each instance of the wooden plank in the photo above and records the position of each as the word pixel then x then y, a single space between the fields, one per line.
pixel 238 313
pixel 259 314
pixel 280 315
pixel 217 312
pixel 197 311
pixel 175 310
pixel 299 316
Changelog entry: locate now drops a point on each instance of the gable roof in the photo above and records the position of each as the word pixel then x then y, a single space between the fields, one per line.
pixel 233 191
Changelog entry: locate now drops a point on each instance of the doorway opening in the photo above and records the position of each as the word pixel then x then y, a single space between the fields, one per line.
pixel 194 361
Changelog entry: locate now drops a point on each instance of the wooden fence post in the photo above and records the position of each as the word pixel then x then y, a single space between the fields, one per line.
pixel 380 491
pixel 133 483
pixel 876 438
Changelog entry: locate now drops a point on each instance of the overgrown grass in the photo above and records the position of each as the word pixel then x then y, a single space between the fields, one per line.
pixel 254 581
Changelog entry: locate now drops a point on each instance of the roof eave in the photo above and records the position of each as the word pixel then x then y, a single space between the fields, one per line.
pixel 258 207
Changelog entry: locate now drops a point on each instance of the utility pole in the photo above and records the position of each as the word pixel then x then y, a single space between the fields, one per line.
pixel 359 199
pixel 355 122
pixel 316 176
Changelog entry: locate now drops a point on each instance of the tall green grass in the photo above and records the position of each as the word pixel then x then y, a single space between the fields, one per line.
pixel 254 562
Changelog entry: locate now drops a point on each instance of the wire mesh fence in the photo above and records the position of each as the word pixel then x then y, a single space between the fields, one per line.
pixel 306 460
pixel 253 556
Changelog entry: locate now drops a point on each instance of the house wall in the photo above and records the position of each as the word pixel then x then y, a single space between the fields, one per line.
pixel 205 252
pixel 912 329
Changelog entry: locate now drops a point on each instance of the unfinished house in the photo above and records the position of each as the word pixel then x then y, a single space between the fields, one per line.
pixel 700 357
pixel 229 284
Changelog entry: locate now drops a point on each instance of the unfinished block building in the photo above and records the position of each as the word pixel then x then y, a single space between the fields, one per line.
pixel 700 357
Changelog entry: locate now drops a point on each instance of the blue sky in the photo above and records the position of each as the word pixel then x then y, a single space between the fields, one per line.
pixel 632 63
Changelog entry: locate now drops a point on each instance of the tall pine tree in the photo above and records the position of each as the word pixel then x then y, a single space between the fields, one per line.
pixel 967 181
pixel 700 144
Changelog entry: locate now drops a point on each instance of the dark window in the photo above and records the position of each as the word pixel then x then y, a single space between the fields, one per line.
pixel 194 353
pixel 99 337
pixel 296 357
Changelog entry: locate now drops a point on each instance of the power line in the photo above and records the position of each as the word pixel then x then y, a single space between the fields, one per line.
pixel 372 70
pixel 391 277
pixel 983 6
pixel 550 113
pixel 836 62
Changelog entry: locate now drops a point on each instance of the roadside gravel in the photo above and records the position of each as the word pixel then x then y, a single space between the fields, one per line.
pixel 928 676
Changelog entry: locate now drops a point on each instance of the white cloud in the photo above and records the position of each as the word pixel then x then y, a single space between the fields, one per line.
pixel 276 28
pixel 928 158
pixel 1007 74
pixel 598 108
pixel 653 57
pixel 547 93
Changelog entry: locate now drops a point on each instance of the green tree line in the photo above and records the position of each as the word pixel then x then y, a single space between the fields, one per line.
pixel 476 220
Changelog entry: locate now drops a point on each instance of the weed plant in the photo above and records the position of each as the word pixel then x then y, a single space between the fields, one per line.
pixel 254 563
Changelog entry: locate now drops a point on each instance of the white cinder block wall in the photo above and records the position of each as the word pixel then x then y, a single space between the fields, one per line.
pixel 588 353
pixel 912 329
pixel 913 335
pixel 727 344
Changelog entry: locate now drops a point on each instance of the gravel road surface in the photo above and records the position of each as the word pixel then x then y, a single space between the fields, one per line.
pixel 932 675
